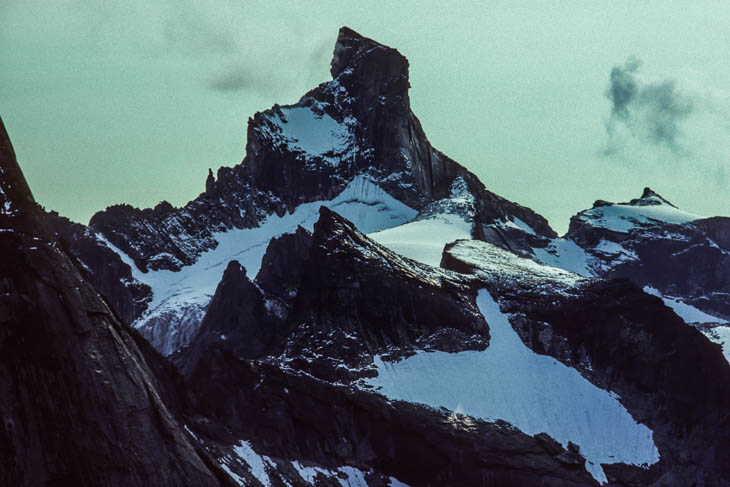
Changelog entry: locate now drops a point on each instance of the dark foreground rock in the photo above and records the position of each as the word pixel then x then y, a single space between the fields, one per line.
pixel 79 403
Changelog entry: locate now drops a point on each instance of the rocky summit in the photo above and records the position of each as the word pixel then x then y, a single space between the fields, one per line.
pixel 348 306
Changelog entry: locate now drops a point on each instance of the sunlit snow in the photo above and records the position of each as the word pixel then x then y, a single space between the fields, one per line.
pixel 424 240
pixel 509 381
pixel 442 222
pixel 494 263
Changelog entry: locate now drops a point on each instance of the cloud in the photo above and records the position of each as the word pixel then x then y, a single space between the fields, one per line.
pixel 226 45
pixel 246 73
pixel 652 111
pixel 230 81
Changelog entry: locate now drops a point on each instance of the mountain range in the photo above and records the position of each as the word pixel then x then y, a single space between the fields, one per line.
pixel 348 306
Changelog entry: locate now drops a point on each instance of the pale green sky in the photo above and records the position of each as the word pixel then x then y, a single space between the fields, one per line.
pixel 132 101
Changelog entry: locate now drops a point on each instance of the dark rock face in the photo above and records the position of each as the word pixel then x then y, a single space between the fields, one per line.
pixel 282 267
pixel 688 260
pixel 79 403
pixel 667 374
pixel 237 316
pixel 105 269
pixel 353 284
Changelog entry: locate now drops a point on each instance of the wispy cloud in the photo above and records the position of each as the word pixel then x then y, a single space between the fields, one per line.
pixel 231 47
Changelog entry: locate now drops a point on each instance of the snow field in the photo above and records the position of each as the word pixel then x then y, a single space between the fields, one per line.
pixel 508 381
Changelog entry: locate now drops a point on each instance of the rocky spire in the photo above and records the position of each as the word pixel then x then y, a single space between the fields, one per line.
pixel 210 182
pixel 373 70
pixel 649 197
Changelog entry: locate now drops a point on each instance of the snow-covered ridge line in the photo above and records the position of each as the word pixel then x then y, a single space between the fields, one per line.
pixel 524 389
pixel 177 294
pixel 623 218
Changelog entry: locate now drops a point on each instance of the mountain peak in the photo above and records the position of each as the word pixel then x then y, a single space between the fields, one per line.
pixel 649 197
pixel 353 50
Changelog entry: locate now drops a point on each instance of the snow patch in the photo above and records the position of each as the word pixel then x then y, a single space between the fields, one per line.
pixel 508 381
pixel 396 483
pixel 518 224
pixel 312 132
pixel 256 462
pixel 345 476
pixel 687 312
pixel 614 251
pixel 721 336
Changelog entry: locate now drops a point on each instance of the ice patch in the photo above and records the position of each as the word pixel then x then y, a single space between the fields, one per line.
pixel 509 381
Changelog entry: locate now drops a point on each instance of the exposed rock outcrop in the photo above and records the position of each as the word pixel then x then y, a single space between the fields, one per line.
pixel 79 402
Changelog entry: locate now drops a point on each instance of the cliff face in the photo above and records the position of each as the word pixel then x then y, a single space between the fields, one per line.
pixel 80 404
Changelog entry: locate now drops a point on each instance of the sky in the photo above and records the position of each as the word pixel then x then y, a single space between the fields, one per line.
pixel 552 104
